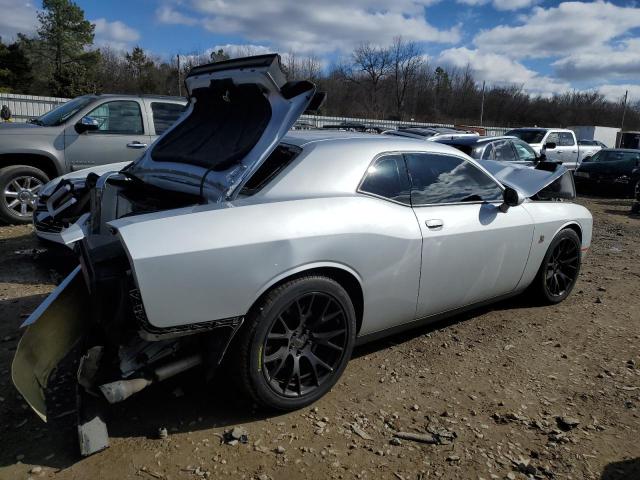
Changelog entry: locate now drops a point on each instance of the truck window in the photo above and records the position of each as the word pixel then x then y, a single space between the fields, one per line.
pixel 165 114
pixel 553 138
pixel 566 139
pixel 118 117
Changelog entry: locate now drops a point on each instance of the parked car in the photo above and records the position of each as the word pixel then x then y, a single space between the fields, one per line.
pixel 557 144
pixel 282 251
pixel 611 169
pixel 503 149
pixel 430 133
pixel 84 132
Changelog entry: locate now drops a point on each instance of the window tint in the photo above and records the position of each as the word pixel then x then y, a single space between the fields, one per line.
pixel 446 179
pixel 525 152
pixel 504 152
pixel 279 159
pixel 121 117
pixel 489 152
pixel 566 139
pixel 387 177
pixel 615 156
pixel 553 138
pixel 165 114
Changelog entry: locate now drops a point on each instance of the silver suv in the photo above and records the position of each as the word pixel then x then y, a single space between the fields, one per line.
pixel 84 132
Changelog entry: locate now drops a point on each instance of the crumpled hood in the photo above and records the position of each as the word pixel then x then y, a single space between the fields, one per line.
pixel 530 181
pixel 239 111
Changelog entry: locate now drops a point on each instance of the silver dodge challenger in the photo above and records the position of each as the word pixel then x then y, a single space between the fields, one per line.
pixel 234 244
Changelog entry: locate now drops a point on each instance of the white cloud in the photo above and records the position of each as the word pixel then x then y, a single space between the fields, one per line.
pixel 167 14
pixel 559 31
pixel 619 61
pixel 334 25
pixel 17 17
pixel 500 70
pixel 114 34
pixel 615 93
pixel 502 4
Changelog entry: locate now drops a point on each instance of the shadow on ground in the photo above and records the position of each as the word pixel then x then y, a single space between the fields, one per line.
pixel 623 470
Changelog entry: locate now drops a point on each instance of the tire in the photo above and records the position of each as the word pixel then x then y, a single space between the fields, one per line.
pixel 298 319
pixel 563 259
pixel 19 185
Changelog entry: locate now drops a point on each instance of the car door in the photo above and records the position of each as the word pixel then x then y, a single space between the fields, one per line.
pixel 552 154
pixel 122 135
pixel 471 251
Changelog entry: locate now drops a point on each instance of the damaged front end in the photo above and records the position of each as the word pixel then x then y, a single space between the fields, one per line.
pixel 94 326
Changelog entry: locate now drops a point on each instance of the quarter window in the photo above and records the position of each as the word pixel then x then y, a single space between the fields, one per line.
pixel 387 177
pixel 446 179
pixel 121 117
pixel 165 115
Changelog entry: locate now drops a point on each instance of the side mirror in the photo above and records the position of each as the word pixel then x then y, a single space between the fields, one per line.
pixel 549 145
pixel 511 198
pixel 87 124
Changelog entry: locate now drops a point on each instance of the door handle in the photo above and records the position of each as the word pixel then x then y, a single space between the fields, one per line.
pixel 434 224
pixel 136 145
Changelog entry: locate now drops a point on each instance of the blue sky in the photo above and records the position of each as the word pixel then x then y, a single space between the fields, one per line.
pixel 545 46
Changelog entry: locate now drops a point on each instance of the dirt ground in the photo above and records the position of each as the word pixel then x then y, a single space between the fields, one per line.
pixel 511 391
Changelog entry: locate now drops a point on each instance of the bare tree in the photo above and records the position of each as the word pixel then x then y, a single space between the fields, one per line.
pixel 406 59
pixel 372 64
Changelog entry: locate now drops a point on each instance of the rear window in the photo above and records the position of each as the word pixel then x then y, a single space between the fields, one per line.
pixel 165 115
pixel 282 156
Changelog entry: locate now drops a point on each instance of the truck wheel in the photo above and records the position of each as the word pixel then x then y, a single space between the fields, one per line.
pixel 295 345
pixel 19 186
pixel 559 269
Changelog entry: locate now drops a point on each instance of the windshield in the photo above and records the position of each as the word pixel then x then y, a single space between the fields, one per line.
pixel 529 136
pixel 60 114
pixel 613 156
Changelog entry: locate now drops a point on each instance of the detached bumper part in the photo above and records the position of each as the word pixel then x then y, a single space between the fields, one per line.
pixel 53 330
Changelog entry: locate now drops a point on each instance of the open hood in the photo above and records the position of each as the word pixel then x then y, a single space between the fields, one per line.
pixel 239 111
pixel 546 181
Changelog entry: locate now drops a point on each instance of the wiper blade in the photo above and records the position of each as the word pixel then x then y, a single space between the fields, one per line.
pixel 132 176
pixel 35 121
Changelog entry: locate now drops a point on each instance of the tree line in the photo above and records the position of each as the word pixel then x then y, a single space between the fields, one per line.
pixel 395 82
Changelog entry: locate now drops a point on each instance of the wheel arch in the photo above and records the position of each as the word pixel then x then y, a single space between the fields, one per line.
pixel 575 226
pixel 345 276
pixel 38 160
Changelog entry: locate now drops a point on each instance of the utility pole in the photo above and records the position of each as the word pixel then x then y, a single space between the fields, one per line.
pixel 624 110
pixel 179 83
pixel 482 104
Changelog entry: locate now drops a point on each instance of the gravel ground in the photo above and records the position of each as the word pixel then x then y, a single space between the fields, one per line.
pixel 511 391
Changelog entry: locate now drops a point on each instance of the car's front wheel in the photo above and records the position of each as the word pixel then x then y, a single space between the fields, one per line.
pixel 560 268
pixel 296 343
pixel 19 187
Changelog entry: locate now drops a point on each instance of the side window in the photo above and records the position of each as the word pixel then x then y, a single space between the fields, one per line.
pixel 447 179
pixel 121 117
pixel 504 151
pixel 387 177
pixel 489 153
pixel 165 114
pixel 553 138
pixel 525 152
pixel 566 139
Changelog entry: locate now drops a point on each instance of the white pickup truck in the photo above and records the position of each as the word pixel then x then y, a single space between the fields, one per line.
pixel 557 144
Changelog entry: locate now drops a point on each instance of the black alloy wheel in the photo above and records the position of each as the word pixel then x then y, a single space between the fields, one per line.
pixel 305 344
pixel 560 267
pixel 295 343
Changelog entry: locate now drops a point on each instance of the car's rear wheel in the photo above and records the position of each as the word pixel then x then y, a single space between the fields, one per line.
pixel 19 187
pixel 296 343
pixel 559 269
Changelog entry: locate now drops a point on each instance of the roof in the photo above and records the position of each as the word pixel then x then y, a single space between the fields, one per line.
pixel 472 140
pixel 128 95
